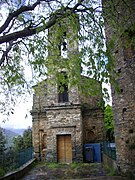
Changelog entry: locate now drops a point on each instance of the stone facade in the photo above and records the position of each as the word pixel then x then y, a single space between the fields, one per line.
pixel 64 121
pixel 83 124
pixel 124 102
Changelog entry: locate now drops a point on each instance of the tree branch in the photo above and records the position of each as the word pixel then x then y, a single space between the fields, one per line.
pixel 16 13
pixel 5 53
pixel 29 31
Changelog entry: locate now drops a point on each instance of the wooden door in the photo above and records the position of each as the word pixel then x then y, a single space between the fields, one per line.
pixel 64 149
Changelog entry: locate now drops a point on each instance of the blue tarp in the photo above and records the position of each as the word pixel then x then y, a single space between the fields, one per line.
pixel 92 152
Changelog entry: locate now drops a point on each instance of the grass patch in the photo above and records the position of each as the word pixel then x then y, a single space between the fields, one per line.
pixel 111 171
pixel 39 163
pixel 54 165
pixel 75 165
pixel 51 165
pixel 91 164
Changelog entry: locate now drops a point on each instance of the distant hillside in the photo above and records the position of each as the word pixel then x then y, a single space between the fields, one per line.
pixel 17 131
pixel 10 134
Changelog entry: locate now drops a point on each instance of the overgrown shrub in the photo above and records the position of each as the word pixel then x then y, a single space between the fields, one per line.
pixel 2 172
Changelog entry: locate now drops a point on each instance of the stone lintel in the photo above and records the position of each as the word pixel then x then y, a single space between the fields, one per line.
pixel 61 106
pixel 87 109
pixel 69 126
pixel 35 111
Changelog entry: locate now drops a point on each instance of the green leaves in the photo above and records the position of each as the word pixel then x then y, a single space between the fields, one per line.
pixel 109 122
pixel 2 141
pixel 23 142
pixel 83 25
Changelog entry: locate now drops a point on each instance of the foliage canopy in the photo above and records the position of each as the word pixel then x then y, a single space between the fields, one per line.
pixel 23 142
pixel 24 43
pixel 109 123
pixel 2 141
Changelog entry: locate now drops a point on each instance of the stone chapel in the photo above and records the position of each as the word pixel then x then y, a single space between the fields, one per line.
pixel 64 120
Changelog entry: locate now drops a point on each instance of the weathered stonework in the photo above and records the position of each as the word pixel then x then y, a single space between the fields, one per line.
pixel 64 121
pixel 124 103
pixel 93 125
pixel 85 125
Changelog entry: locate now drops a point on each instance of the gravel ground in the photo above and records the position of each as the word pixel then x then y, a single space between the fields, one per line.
pixel 43 171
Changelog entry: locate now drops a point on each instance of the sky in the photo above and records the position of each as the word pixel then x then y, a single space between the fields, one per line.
pixel 21 119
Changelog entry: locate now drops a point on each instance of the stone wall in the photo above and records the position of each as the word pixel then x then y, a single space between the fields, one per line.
pixel 93 125
pixel 124 102
pixel 70 118
pixel 39 124
pixel 20 172
pixel 124 113
pixel 51 118
pixel 45 97
pixel 61 121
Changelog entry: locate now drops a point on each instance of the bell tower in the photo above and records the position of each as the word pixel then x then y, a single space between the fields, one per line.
pixel 62 118
pixel 64 65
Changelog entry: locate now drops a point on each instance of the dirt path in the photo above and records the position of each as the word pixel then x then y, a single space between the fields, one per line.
pixel 63 171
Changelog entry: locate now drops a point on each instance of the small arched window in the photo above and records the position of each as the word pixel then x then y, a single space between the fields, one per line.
pixel 64 45
pixel 63 90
